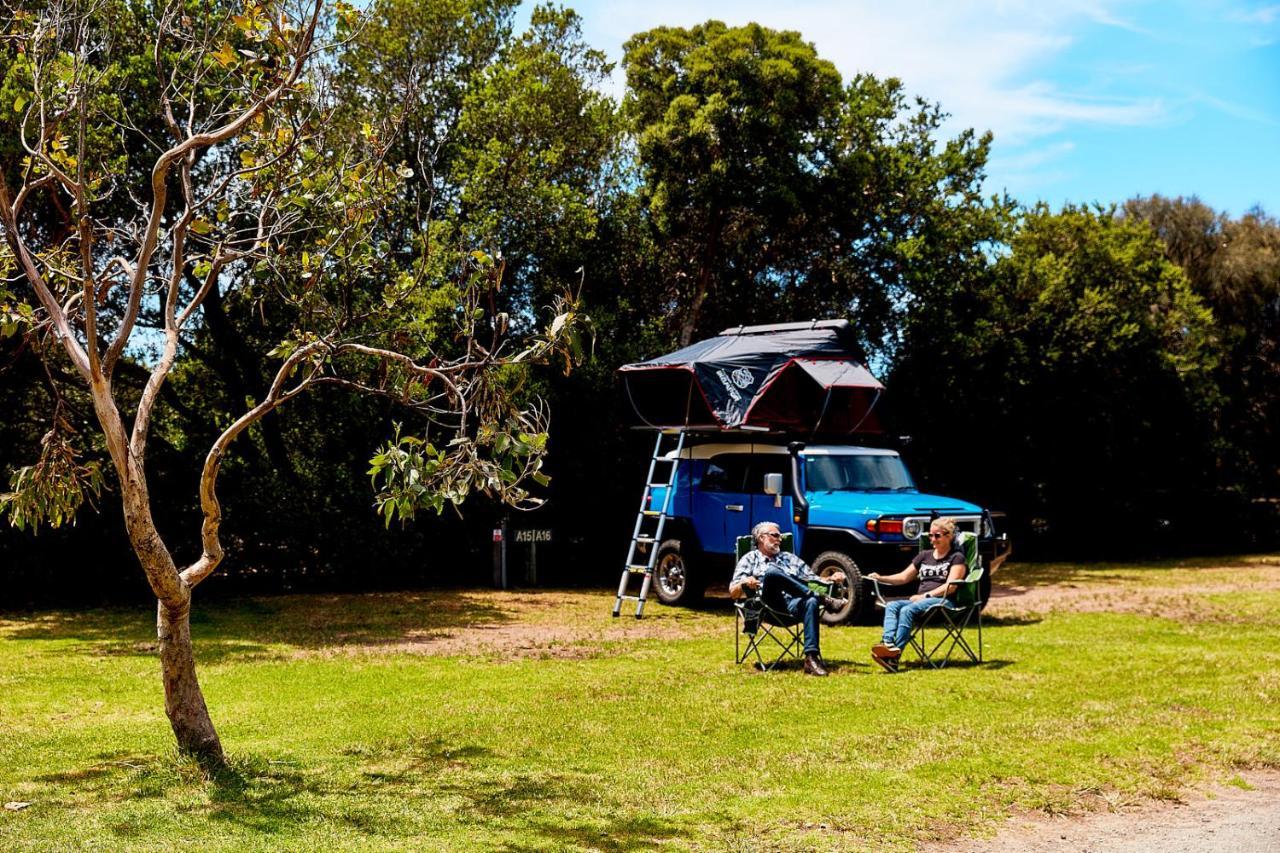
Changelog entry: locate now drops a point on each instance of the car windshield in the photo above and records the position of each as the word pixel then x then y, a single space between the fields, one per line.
pixel 857 473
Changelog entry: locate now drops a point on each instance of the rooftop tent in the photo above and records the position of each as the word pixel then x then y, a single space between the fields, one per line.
pixel 791 377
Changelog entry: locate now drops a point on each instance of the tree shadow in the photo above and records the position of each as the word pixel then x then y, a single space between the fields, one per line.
pixel 916 665
pixel 1010 620
pixel 638 833
pixel 239 629
pixel 1017 578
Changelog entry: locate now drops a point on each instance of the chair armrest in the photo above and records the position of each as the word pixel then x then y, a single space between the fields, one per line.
pixel 878 592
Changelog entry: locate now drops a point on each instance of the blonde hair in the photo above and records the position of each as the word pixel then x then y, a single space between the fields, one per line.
pixel 946 524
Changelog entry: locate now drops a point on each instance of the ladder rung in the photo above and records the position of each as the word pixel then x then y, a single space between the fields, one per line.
pixel 661 514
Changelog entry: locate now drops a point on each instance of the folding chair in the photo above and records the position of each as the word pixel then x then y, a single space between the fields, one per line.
pixel 951 618
pixel 760 631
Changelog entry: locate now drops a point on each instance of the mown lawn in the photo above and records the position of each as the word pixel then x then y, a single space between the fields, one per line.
pixel 533 721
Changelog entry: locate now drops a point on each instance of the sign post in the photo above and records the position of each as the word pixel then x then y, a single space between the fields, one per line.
pixel 531 537
pixel 500 555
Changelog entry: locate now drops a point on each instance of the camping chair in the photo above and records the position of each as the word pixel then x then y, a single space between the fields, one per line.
pixel 760 631
pixel 954 617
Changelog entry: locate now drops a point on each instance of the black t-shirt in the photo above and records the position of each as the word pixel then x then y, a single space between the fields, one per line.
pixel 933 572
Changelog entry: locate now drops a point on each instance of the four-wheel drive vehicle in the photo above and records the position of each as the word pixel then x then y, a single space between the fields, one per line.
pixel 734 403
pixel 851 508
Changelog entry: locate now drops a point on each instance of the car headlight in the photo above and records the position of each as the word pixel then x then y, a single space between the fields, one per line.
pixel 912 528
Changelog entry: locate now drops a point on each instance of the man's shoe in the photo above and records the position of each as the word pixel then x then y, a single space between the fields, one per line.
pixel 813 665
pixel 833 604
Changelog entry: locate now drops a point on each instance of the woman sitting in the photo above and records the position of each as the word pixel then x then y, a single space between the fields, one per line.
pixel 937 570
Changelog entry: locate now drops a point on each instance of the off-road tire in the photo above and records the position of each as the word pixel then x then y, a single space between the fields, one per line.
pixel 830 562
pixel 676 579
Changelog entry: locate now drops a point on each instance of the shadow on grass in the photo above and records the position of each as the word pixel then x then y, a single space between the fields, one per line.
pixel 256 792
pixel 1065 574
pixel 639 833
pixel 246 628
pixel 1010 621
pixel 917 665
pixel 506 803
pixel 526 800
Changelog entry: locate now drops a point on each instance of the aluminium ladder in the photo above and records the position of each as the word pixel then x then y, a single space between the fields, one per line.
pixel 639 536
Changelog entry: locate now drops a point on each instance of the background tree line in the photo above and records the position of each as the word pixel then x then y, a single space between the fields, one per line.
pixel 1105 374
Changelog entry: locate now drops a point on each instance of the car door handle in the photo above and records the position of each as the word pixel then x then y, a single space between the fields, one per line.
pixel 734 507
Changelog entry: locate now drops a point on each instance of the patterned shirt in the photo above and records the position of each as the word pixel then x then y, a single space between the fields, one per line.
pixel 755 564
pixel 933 572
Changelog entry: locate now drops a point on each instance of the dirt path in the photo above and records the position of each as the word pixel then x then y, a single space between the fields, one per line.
pixel 1219 818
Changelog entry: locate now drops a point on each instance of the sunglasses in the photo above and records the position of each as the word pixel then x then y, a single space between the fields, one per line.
pixel 772 535
pixel 938 535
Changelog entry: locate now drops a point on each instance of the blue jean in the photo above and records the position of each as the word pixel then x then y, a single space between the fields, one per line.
pixel 901 615
pixel 784 593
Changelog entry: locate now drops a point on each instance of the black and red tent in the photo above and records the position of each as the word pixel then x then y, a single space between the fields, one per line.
pixel 791 377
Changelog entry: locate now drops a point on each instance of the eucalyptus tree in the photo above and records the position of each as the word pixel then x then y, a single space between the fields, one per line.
pixel 1233 264
pixel 773 187
pixel 248 182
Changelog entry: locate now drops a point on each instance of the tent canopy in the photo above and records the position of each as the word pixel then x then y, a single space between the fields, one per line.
pixel 791 377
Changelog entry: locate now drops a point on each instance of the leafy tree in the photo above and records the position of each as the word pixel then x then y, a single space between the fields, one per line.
pixel 248 184
pixel 496 140
pixel 774 189
pixel 537 145
pixel 1075 382
pixel 1234 266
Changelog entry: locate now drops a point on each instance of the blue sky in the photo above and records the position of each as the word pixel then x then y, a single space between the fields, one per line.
pixel 1089 101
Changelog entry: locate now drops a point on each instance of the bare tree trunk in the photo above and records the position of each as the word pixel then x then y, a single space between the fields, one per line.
pixel 702 286
pixel 183 701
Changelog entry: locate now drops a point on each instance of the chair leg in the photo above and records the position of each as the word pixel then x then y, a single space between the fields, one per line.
pixel 952 626
pixel 979 634
pixel 785 639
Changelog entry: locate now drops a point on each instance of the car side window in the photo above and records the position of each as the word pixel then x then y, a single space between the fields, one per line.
pixel 725 473
pixel 773 463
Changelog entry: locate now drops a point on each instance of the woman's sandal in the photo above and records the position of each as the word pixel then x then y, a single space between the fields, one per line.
pixel 890 664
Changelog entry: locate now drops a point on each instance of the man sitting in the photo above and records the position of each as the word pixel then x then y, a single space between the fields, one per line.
pixel 783 579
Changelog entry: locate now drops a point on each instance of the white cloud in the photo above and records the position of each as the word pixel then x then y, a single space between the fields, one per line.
pixel 1036 157
pixel 980 61
pixel 1264 15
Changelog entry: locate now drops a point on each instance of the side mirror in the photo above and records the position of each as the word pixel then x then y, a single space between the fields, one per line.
pixel 773 486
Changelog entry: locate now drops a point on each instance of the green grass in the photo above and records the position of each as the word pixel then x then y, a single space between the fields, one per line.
pixel 532 721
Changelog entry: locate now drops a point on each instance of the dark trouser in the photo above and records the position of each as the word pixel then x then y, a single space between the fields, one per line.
pixel 785 594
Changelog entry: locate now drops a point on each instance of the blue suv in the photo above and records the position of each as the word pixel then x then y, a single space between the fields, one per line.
pixel 851 508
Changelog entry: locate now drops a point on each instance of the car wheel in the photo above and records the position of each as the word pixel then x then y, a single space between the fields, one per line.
pixel 673 581
pixel 827 564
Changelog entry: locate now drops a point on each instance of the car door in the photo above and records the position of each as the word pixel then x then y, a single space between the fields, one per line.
pixel 762 505
pixel 721 506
